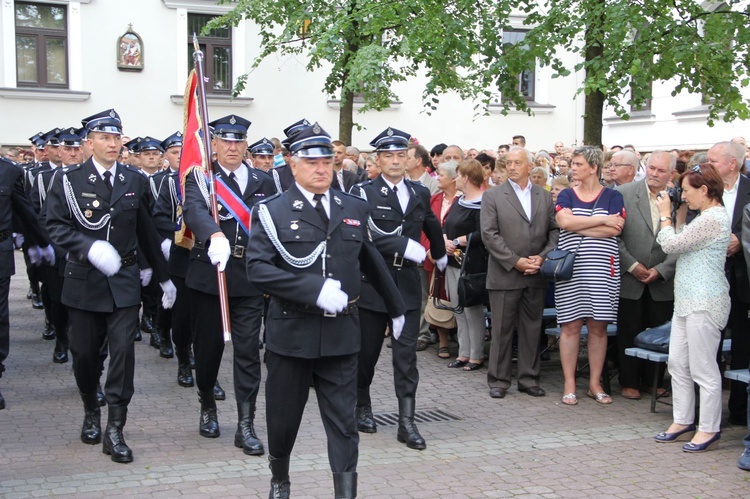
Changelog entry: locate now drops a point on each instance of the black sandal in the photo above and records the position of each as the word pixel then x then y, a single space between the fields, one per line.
pixel 471 366
pixel 458 363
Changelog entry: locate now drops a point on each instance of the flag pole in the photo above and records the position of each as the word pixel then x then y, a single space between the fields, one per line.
pixel 222 279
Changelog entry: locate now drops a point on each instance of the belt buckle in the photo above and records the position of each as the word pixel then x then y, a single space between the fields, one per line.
pixel 238 251
pixel 398 261
pixel 328 314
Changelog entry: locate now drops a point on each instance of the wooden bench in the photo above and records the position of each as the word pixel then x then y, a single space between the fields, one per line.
pixel 611 331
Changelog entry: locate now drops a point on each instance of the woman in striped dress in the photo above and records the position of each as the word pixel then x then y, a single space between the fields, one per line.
pixel 593 216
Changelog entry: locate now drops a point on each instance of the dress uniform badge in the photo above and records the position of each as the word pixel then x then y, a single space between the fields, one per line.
pixel 384 191
pixel 294 225
pixel 88 213
pixel 298 204
pixel 95 204
pixel 121 177
pixel 92 178
pixel 352 222
pixel 232 120
pixel 338 201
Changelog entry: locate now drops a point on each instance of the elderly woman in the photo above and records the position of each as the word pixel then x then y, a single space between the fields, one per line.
pixel 461 222
pixel 701 307
pixel 539 176
pixel 371 167
pixel 559 184
pixel 590 219
pixel 441 203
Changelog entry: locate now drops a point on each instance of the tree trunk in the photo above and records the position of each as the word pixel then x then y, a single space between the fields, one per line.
pixel 346 117
pixel 594 102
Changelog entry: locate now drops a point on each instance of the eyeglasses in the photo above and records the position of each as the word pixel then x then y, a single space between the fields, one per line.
pixel 618 165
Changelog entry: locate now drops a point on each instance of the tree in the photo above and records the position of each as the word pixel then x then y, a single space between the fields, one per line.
pixel 368 45
pixel 625 45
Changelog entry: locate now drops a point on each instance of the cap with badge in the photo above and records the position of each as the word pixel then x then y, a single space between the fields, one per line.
pixel 296 127
pixel 174 140
pixel 309 142
pixel 134 145
pixel 232 128
pixel 50 138
pixel 70 137
pixel 106 122
pixel 149 144
pixel 391 139
pixel 263 147
pixel 37 140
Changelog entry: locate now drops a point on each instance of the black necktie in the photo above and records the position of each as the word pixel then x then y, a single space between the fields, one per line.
pixel 234 185
pixel 107 180
pixel 320 209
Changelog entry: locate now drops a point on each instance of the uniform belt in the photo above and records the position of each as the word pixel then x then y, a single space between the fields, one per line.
pixel 400 261
pixel 235 251
pixel 311 309
pixel 125 261
pixel 4 235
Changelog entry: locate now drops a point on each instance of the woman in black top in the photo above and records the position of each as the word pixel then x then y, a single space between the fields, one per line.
pixel 462 221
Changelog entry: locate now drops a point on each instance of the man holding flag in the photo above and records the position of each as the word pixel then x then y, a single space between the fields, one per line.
pixel 238 188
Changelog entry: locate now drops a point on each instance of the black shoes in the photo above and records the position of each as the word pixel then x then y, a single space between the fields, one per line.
pixel 114 443
pixel 60 355
pixel 407 429
pixel 100 399
pixel 49 331
pixel 91 431
pixel 498 393
pixel 345 485
pixel 155 340
pixel 280 486
pixel 147 324
pixel 184 373
pixel 245 437
pixel 219 393
pixel 165 346
pixel 192 357
pixel 36 301
pixel 365 419
pixel 534 391
pixel 209 423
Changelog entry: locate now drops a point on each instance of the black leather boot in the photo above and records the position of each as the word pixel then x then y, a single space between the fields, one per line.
pixel 192 357
pixel 209 423
pixel 245 437
pixel 345 485
pixel 165 346
pixel 60 355
pixel 147 324
pixel 219 393
pixel 100 399
pixel 365 419
pixel 184 373
pixel 91 432
pixel 155 338
pixel 49 331
pixel 280 486
pixel 407 429
pixel 36 302
pixel 114 443
pixel 138 335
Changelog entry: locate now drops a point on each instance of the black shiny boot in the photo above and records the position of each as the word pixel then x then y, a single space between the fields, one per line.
pixel 184 373
pixel 114 443
pixel 245 437
pixel 60 355
pixel 36 302
pixel 209 423
pixel 91 431
pixel 407 429
pixel 219 393
pixel 49 331
pixel 363 412
pixel 155 340
pixel 345 485
pixel 100 399
pixel 192 357
pixel 280 486
pixel 165 346
pixel 147 324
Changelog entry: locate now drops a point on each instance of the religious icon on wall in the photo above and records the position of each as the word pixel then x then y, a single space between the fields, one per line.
pixel 130 51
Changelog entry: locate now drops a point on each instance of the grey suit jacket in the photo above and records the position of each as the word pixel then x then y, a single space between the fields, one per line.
pixel 637 243
pixel 509 235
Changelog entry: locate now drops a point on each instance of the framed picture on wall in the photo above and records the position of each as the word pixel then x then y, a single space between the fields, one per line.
pixel 130 51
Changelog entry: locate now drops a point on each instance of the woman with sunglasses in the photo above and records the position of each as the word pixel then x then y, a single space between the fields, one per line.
pixel 701 307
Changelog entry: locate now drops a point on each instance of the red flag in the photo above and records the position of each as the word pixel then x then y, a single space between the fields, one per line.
pixel 193 152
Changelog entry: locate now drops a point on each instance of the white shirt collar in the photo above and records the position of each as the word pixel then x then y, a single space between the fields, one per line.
pixel 100 169
pixel 326 199
pixel 240 175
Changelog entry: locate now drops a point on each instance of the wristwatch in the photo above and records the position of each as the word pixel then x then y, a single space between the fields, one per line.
pixel 455 242
pixel 664 219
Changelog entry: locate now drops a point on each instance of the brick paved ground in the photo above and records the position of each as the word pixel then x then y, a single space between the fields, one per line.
pixel 516 447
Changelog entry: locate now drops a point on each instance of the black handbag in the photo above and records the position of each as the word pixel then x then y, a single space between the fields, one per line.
pixel 656 338
pixel 472 288
pixel 558 264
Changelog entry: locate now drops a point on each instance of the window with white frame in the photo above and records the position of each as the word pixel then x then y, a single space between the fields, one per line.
pixel 217 49
pixel 41 45
pixel 527 78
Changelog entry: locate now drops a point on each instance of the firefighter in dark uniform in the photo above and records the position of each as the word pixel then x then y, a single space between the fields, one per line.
pixel 262 155
pixel 98 213
pixel 225 245
pixel 14 204
pixel 308 247
pixel 400 213
pixel 168 219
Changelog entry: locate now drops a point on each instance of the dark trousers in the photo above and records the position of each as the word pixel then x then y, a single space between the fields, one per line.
pixel 150 296
pixel 208 343
pixel 633 317
pixel 404 352
pixel 4 322
pixel 57 313
pixel 181 334
pixel 511 308
pixel 740 326
pixel 88 333
pixel 31 272
pixel 287 390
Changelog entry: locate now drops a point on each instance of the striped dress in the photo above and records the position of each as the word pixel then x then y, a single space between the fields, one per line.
pixel 594 289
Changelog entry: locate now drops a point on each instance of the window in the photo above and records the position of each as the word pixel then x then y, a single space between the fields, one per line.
pixel 527 78
pixel 646 106
pixel 217 50
pixel 41 45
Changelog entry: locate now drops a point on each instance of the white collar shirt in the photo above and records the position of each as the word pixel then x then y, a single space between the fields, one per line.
pixel 402 193
pixel 240 176
pixel 100 170
pixel 524 196
pixel 326 199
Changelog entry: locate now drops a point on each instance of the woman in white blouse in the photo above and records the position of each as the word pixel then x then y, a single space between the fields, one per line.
pixel 701 307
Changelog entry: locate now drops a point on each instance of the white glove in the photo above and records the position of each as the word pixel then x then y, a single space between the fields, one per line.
pixel 165 246
pixel 442 262
pixel 415 252
pixel 218 252
pixel 146 276
pixel 397 326
pixel 105 258
pixel 35 255
pixel 48 255
pixel 169 294
pixel 331 298
pixel 18 240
